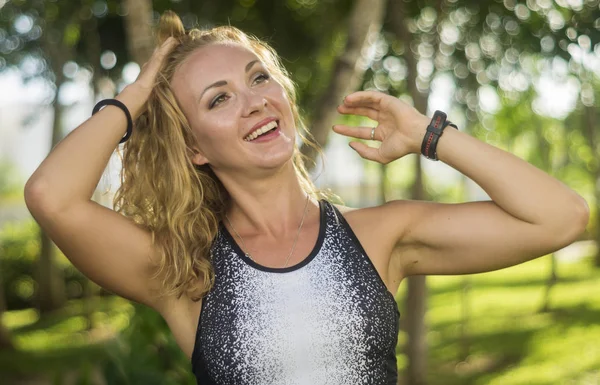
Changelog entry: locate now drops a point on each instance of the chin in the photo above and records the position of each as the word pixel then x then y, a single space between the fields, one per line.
pixel 276 160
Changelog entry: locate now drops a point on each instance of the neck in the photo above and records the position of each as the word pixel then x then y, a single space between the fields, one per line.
pixel 271 206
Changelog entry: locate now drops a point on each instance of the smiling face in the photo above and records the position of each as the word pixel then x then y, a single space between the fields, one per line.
pixel 226 93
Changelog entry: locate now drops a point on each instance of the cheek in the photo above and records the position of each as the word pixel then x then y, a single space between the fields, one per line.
pixel 216 129
pixel 280 99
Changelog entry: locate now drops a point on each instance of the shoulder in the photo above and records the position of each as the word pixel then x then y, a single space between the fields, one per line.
pixel 392 219
pixel 380 230
pixel 388 210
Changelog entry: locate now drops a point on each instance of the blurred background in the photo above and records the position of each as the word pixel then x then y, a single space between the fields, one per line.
pixel 523 75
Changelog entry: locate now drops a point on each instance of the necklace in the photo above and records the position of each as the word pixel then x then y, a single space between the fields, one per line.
pixel 295 240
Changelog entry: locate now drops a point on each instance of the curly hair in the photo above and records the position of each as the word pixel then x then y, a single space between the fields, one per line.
pixel 179 202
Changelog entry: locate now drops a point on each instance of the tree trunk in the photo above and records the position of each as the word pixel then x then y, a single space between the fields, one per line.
pixel 140 40
pixel 5 341
pixel 364 21
pixel 544 151
pixel 92 40
pixel 465 295
pixel 51 293
pixel 465 344
pixel 552 280
pixel 416 301
pixel 51 286
pixel 383 184
pixel 416 305
pixel 590 122
pixel 3 306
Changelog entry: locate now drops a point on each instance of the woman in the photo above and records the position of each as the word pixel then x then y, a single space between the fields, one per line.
pixel 259 277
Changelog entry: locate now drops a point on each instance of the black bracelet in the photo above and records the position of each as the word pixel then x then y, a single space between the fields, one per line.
pixel 432 136
pixel 434 131
pixel 117 103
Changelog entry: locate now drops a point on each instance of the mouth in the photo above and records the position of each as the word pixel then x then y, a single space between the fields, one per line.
pixel 266 132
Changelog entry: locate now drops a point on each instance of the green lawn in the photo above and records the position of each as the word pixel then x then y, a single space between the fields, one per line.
pixel 509 341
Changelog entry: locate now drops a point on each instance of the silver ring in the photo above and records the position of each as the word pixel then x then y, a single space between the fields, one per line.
pixel 373 134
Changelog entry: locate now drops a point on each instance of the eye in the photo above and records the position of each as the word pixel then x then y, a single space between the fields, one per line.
pixel 218 100
pixel 261 78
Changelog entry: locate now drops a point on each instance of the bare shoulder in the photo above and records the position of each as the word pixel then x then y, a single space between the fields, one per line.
pixel 393 216
pixel 344 209
pixel 383 225
pixel 378 229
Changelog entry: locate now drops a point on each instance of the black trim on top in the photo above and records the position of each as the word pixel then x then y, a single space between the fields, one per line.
pixel 361 249
pixel 196 350
pixel 305 261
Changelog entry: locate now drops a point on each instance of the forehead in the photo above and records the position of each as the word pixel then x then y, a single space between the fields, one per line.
pixel 213 63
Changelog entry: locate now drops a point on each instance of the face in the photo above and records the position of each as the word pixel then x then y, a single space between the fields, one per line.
pixel 226 93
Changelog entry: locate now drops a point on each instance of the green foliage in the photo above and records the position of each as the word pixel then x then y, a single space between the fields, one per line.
pixel 61 343
pixel 10 182
pixel 19 250
pixel 146 353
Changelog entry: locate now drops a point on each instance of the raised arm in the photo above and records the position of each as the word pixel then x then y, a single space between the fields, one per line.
pixel 107 247
pixel 530 214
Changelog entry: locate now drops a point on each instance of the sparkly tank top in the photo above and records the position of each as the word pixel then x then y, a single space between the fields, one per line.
pixel 328 320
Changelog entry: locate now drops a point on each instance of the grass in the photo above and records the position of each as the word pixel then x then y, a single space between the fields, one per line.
pixel 509 341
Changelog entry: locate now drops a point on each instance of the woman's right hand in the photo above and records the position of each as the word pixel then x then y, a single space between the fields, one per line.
pixel 137 93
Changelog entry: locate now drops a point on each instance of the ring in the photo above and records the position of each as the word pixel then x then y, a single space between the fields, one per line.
pixel 373 134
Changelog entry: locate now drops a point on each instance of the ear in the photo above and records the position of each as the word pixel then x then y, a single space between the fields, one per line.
pixel 198 158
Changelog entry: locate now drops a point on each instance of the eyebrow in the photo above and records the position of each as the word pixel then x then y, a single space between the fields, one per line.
pixel 223 82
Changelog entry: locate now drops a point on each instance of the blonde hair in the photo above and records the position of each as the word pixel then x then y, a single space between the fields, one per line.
pixel 179 202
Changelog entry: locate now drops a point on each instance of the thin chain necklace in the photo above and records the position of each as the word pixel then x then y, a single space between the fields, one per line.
pixel 295 240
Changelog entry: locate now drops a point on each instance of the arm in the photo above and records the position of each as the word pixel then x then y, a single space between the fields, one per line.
pixel 107 247
pixel 531 213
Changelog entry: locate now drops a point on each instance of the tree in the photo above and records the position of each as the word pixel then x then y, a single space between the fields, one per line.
pixel 138 29
pixel 585 146
pixel 479 45
pixel 364 23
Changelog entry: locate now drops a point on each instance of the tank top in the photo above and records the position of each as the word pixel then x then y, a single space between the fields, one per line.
pixel 328 320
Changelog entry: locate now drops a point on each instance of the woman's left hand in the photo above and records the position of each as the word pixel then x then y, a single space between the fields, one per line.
pixel 400 130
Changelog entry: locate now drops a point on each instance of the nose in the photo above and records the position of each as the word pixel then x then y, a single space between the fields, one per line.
pixel 255 102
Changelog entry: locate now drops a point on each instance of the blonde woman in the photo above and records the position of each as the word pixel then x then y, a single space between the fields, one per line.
pixel 261 279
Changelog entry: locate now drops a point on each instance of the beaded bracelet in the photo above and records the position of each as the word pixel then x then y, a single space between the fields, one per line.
pixel 117 103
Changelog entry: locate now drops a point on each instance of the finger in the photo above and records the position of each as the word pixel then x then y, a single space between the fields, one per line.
pixel 363 111
pixel 152 66
pixel 160 50
pixel 370 99
pixel 356 132
pixel 167 45
pixel 366 152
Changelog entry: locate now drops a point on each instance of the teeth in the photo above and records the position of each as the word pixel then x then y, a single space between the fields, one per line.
pixel 260 131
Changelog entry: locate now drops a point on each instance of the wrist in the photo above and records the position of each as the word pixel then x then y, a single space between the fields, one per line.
pixel 419 130
pixel 134 98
